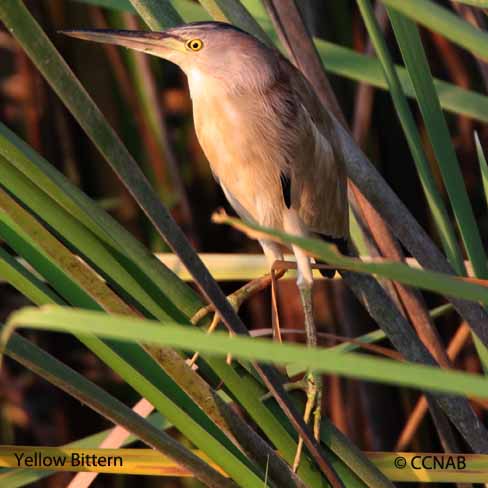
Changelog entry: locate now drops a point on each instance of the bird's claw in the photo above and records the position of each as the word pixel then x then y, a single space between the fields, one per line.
pixel 236 299
pixel 313 404
pixel 235 303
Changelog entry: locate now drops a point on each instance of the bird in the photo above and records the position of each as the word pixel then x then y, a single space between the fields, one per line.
pixel 269 142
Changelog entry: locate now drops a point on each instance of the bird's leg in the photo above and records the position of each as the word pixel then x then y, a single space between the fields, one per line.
pixel 314 381
pixel 293 225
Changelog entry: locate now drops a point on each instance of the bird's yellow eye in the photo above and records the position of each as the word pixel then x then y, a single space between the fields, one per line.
pixel 194 44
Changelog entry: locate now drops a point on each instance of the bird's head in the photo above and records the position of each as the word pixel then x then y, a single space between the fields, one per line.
pixel 205 51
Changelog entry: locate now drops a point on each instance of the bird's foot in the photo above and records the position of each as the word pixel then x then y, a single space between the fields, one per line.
pixel 313 405
pixel 236 299
pixel 314 380
pixel 311 384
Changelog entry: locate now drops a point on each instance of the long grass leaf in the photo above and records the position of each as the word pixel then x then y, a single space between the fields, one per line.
pixel 347 364
pixel 222 10
pixel 483 165
pixel 408 37
pixel 119 5
pixel 368 338
pixel 49 257
pixel 88 246
pixel 49 185
pixel 443 21
pixel 81 287
pixel 187 9
pixel 419 278
pixel 342 61
pixel 24 281
pixel 41 186
pixel 154 11
pixel 104 298
pixel 413 53
pixel 431 191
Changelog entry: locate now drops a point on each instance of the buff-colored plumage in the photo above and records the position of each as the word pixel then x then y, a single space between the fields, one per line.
pixel 258 121
pixel 252 140
pixel 267 138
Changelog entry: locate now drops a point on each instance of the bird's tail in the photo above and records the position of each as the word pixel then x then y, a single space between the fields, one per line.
pixel 341 243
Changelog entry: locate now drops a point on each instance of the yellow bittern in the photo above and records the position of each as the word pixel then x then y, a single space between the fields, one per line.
pixel 267 138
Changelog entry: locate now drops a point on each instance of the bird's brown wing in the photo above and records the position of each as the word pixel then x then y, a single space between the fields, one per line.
pixel 317 170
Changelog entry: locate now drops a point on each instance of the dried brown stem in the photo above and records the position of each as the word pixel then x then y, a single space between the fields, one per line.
pixel 476 19
pixel 363 106
pixel 459 74
pixel 34 103
pixel 382 351
pixel 455 346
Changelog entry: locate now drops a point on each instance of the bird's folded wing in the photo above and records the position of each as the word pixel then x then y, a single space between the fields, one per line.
pixel 319 181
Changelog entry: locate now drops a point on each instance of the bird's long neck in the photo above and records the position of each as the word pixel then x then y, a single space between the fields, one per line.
pixel 196 83
pixel 235 84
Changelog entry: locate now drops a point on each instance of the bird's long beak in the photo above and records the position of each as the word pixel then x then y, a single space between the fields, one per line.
pixel 156 43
